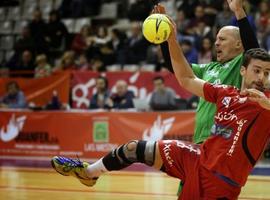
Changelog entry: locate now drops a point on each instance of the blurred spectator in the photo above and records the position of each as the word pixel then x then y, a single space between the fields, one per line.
pixel 262 19
pixel 14 97
pixel 118 44
pixel 163 98
pixel 122 99
pixel 24 67
pixel 67 62
pixel 106 49
pixel 56 32
pixel 136 48
pixel 205 54
pixel 97 64
pixel 38 31
pixel 154 56
pixel 139 10
pixel 79 8
pixel 98 46
pixel 43 68
pixel 211 8
pixel 266 41
pixel 199 16
pixel 188 6
pixel 223 17
pixel 80 43
pixel 170 6
pixel 201 31
pixel 55 103
pixel 82 63
pixel 190 51
pixel 25 42
pixel 181 22
pixel 101 99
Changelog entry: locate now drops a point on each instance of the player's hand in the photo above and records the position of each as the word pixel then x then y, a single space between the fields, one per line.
pixel 235 4
pixel 257 96
pixel 173 35
pixel 159 9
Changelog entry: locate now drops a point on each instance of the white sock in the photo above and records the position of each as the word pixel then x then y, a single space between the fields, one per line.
pixel 96 169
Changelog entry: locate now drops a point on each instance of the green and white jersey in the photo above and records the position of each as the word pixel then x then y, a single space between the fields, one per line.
pixel 227 73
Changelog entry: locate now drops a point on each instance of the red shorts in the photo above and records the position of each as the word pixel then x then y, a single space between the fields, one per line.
pixel 182 160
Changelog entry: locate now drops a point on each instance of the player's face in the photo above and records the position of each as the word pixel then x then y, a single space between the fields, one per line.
pixel 227 45
pixel 256 75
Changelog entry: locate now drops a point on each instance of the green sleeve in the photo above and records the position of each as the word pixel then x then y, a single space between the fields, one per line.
pixel 199 69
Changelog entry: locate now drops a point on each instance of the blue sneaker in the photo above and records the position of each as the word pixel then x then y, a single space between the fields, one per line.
pixel 72 167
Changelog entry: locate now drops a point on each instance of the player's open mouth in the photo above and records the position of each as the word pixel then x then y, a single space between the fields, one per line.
pixel 219 52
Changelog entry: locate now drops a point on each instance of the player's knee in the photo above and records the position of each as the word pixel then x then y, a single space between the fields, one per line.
pixel 139 151
pixel 131 145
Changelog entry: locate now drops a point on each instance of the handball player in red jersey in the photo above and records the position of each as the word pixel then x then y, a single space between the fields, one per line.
pixel 219 167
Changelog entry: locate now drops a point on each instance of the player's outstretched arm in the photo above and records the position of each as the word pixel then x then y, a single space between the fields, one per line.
pixel 236 6
pixel 248 37
pixel 181 67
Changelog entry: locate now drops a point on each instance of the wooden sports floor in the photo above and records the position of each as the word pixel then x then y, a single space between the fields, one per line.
pixel 22 183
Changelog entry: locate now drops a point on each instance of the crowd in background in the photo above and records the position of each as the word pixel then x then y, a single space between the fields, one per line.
pixel 45 45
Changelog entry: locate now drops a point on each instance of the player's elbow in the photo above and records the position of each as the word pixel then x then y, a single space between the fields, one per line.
pixel 184 81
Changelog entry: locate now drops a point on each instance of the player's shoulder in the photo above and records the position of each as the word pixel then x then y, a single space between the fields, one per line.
pixel 228 88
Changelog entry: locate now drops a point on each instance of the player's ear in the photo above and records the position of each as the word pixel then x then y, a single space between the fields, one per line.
pixel 239 44
pixel 243 70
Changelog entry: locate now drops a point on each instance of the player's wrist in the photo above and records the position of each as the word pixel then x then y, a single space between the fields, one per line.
pixel 240 13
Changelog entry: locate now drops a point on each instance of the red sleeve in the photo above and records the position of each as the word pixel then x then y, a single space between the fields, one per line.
pixel 267 93
pixel 211 92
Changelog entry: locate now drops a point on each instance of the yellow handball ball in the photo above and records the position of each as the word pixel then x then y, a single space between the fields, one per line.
pixel 156 28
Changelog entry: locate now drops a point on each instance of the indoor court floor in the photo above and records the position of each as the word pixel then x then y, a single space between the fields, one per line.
pixel 21 182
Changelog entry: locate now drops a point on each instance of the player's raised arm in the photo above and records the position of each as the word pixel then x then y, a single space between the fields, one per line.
pixel 247 34
pixel 181 67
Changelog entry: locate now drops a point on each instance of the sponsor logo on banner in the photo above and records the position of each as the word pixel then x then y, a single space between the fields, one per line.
pixel 13 128
pixel 80 93
pixel 101 131
pixel 159 129
pixel 36 137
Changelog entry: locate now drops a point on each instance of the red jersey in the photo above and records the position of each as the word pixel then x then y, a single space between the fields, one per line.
pixel 238 136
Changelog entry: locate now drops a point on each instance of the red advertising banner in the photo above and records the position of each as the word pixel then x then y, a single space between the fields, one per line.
pixel 39 90
pixel 141 83
pixel 86 134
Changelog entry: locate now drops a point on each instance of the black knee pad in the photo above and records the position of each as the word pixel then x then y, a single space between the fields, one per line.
pixel 144 152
